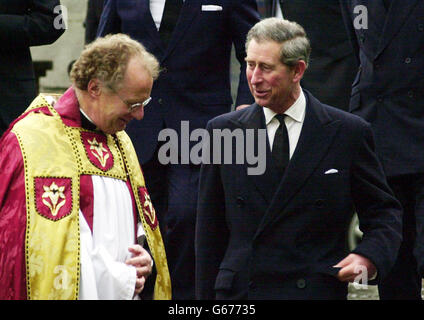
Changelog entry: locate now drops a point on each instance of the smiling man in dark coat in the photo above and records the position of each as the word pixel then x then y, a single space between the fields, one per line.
pixel 281 235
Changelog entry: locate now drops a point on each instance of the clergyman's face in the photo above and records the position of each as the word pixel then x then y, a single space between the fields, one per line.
pixel 114 113
pixel 270 81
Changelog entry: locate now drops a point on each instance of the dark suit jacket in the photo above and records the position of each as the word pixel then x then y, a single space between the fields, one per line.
pixel 23 23
pixel 263 238
pixel 195 82
pixel 332 65
pixel 389 88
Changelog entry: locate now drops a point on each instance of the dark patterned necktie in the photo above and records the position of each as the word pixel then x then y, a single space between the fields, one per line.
pixel 170 16
pixel 280 147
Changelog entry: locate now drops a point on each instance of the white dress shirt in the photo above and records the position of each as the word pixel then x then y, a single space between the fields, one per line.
pixel 156 9
pixel 278 11
pixel 294 122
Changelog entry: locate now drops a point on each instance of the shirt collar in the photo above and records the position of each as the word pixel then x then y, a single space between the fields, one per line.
pixel 296 111
pixel 86 122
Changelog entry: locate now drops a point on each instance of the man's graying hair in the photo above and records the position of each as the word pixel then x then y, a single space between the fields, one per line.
pixel 295 44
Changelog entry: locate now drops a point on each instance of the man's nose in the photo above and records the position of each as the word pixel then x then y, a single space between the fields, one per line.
pixel 256 76
pixel 138 113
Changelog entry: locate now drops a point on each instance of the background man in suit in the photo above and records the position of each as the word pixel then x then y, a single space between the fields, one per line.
pixel 333 66
pixel 194 86
pixel 388 38
pixel 281 235
pixel 23 23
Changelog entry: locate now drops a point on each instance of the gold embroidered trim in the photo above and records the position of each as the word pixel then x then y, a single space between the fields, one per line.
pixel 52 255
pixel 162 289
pixel 86 167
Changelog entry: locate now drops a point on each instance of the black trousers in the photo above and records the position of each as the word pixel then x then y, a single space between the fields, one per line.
pixel 404 281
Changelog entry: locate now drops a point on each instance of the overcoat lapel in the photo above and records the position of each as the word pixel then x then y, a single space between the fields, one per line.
pixel 317 135
pixel 149 25
pixel 189 10
pixel 376 10
pixel 395 18
pixel 264 183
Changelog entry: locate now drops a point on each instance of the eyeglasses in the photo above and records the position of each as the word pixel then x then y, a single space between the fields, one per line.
pixel 134 106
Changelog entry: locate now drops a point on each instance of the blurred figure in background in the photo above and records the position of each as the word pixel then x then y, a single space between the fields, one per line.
pixel 333 66
pixel 23 24
pixel 388 41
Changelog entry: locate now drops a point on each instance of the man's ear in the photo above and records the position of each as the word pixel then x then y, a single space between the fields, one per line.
pixel 94 88
pixel 299 70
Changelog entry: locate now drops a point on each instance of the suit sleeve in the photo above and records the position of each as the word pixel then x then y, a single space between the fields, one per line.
pixel 244 15
pixel 110 23
pixel 211 237
pixel 38 26
pixel 378 210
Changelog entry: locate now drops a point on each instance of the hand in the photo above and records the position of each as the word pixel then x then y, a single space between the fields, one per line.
pixel 142 262
pixel 353 265
pixel 242 106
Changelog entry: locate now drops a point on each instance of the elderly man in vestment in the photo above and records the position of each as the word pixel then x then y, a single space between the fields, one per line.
pixel 74 209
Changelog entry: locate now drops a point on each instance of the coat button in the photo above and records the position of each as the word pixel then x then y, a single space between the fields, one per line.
pixel 410 93
pixel 319 203
pixel 408 60
pixel 252 285
pixel 380 99
pixel 240 202
pixel 301 283
pixel 420 27
pixel 160 101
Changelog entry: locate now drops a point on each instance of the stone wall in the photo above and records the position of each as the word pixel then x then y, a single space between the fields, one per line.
pixel 66 49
